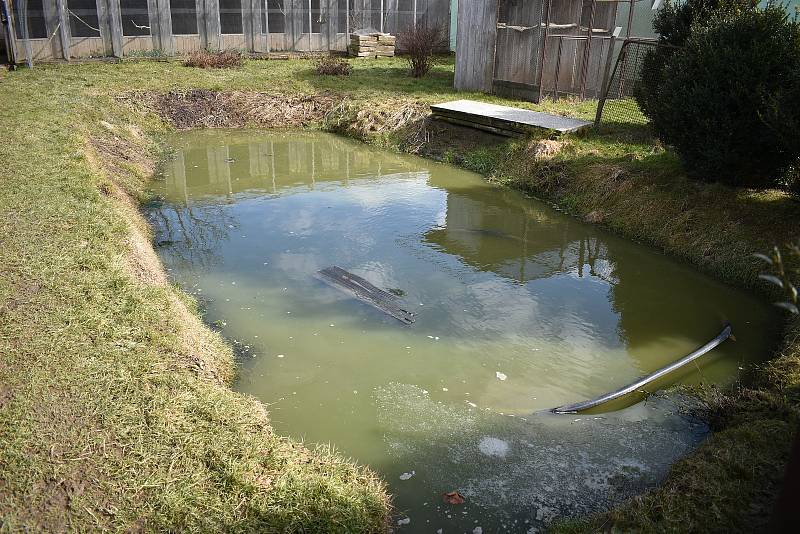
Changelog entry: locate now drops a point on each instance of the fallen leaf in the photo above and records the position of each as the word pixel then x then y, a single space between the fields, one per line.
pixel 453 497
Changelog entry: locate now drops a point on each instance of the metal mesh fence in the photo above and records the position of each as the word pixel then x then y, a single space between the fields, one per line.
pixel 64 29
pixel 618 104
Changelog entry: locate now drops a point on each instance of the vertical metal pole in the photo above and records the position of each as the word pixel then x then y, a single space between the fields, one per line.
pixel 347 23
pixel 310 22
pixel 381 28
pixel 587 51
pixel 415 14
pixel 543 49
pixel 609 75
pixel 627 36
pixel 630 19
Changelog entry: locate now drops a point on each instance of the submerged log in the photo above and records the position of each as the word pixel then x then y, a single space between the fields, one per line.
pixel 366 292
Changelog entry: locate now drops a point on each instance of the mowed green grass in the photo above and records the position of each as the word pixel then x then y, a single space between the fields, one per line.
pixel 111 411
pixel 107 417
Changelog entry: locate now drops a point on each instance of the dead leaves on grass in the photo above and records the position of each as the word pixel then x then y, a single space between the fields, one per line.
pixel 202 108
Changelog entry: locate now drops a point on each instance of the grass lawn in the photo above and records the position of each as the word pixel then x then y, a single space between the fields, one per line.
pixel 114 411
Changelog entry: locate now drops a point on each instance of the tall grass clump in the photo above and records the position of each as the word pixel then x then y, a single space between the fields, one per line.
pixel 783 271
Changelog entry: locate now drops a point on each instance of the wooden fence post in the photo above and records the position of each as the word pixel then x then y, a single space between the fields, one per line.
pixel 63 29
pixel 248 25
pixel 166 40
pixel 115 24
pixel 10 33
pixel 475 46
pixel 212 24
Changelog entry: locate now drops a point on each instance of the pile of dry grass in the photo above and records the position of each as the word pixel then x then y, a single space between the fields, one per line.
pixel 333 66
pixel 382 118
pixel 224 59
pixel 202 108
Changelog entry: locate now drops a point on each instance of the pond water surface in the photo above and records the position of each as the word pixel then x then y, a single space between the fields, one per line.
pixel 519 309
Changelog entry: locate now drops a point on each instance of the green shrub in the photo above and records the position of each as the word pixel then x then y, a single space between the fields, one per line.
pixel 673 24
pixel 728 101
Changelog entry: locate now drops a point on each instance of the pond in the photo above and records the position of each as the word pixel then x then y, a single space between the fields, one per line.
pixel 518 309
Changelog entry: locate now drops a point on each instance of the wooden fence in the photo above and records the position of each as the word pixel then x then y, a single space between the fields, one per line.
pixel 536 48
pixel 46 30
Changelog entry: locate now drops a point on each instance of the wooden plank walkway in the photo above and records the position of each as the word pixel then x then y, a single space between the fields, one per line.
pixel 504 120
pixel 366 292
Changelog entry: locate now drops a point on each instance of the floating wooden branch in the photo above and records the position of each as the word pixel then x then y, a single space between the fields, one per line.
pixel 366 292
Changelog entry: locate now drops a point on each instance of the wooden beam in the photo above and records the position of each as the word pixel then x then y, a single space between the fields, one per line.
pixel 543 50
pixel 166 40
pixel 115 22
pixel 366 292
pixel 152 21
pixel 249 24
pixel 200 9
pixel 260 34
pixel 212 24
pixel 475 46
pixel 64 30
pixel 10 33
pixel 587 50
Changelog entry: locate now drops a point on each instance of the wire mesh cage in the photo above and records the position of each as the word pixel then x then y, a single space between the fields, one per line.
pixel 618 103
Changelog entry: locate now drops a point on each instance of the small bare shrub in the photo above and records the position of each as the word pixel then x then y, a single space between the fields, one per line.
pixel 204 59
pixel 333 66
pixel 419 45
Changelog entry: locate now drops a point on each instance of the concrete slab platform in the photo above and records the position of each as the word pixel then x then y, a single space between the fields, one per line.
pixel 504 120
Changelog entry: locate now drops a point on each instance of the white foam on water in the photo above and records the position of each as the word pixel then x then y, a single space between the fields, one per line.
pixel 493 447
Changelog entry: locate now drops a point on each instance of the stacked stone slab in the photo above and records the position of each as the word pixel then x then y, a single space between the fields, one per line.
pixel 372 45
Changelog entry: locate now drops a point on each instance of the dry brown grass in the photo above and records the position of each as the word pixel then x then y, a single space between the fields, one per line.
pixel 403 121
pixel 333 66
pixel 224 59
pixel 202 108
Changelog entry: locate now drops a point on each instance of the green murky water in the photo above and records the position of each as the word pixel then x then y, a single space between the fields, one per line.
pixel 519 308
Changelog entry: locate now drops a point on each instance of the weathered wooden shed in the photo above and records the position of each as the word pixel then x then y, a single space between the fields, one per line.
pixel 534 48
pixel 46 30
